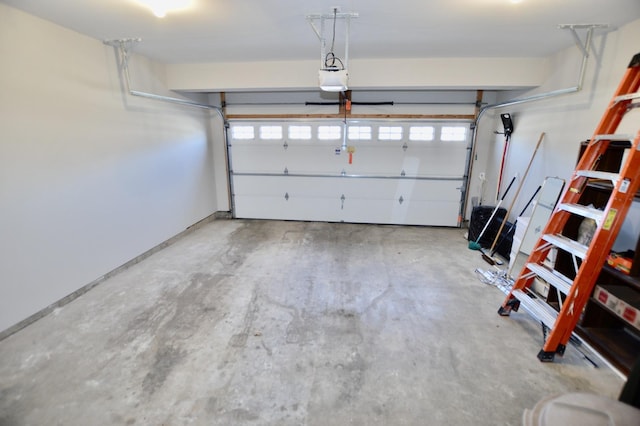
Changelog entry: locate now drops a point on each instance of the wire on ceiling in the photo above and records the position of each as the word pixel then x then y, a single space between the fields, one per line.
pixel 330 58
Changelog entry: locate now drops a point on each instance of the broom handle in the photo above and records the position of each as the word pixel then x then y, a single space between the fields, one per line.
pixel 515 197
pixel 514 223
pixel 504 156
pixel 486 225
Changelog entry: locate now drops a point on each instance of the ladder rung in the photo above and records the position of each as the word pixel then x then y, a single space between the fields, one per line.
pixel 537 308
pixel 627 97
pixel 583 211
pixel 567 244
pixel 620 137
pixel 593 174
pixel 554 278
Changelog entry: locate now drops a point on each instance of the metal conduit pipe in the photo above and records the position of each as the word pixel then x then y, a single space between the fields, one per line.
pixel 121 47
pixel 575 89
pixel 546 95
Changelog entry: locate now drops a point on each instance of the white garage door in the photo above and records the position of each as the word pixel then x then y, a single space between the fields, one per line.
pixel 406 173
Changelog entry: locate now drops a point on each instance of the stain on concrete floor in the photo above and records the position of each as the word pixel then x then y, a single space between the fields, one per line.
pixel 288 323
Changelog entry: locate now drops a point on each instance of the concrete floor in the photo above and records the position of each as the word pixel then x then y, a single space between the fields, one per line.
pixel 289 323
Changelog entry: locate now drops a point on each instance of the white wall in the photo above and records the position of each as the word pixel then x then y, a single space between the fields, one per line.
pixel 364 74
pixel 567 120
pixel 89 177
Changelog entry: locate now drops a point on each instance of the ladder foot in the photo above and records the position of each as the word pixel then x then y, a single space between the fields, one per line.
pixel 511 305
pixel 504 312
pixel 561 349
pixel 545 356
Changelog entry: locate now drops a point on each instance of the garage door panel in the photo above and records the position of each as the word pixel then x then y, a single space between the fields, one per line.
pixel 284 197
pixel 275 159
pixel 408 189
pixel 422 161
pixel 292 185
pixel 257 158
pixel 435 213
pixel 300 208
pixel 314 159
pixel 402 201
pixel 388 201
pixel 439 161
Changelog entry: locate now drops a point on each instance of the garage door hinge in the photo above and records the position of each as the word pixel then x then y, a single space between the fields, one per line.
pixel 405 146
pixel 286 171
pixel 342 202
pixel 400 200
pixel 343 173
pixel 286 196
pixel 285 145
pixel 402 173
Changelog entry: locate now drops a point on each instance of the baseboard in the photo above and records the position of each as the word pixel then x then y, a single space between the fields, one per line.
pixel 82 290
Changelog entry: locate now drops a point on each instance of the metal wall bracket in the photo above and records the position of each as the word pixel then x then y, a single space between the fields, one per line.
pixel 583 46
pixel 123 47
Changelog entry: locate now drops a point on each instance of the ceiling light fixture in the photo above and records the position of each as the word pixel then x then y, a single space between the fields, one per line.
pixel 160 8
pixel 333 75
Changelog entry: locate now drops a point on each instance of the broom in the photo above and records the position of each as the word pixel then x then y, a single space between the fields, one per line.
pixel 488 259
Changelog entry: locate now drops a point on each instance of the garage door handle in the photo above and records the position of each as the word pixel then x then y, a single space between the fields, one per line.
pixel 342 202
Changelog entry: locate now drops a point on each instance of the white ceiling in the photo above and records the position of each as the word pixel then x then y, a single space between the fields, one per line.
pixel 261 30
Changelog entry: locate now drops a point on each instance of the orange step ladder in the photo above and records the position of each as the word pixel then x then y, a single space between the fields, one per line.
pixel 577 291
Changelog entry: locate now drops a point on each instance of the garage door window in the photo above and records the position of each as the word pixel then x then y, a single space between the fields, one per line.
pixel 453 133
pixel 328 133
pixel 389 133
pixel 359 133
pixel 300 132
pixel 242 132
pixel 270 132
pixel 421 133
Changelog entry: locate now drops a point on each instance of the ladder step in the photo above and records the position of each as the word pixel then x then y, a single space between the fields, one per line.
pixel 553 277
pixel 583 211
pixel 537 308
pixel 593 174
pixel 627 97
pixel 567 244
pixel 620 137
